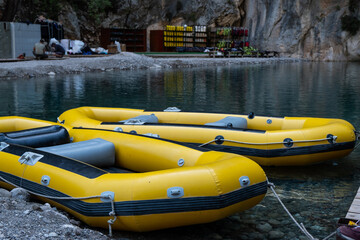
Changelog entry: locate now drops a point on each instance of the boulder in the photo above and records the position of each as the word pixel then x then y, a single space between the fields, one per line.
pixel 20 194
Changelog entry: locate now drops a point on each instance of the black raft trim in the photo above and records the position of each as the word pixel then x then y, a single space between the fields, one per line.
pixel 145 207
pixel 68 164
pixel 282 152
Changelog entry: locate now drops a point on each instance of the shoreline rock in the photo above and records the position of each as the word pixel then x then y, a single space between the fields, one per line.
pixel 30 219
pixel 22 219
pixel 122 61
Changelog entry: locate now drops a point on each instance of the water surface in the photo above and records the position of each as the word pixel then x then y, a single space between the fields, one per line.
pixel 286 89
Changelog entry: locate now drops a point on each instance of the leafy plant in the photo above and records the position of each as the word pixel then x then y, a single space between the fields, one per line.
pixel 221 44
pixel 223 32
pixel 249 50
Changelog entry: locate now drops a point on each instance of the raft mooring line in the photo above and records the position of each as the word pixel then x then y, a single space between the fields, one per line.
pixel 300 225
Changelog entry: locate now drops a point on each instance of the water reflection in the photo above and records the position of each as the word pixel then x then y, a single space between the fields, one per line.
pixel 296 89
pixel 307 89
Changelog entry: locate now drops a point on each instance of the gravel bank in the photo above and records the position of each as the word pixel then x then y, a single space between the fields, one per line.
pixel 23 218
pixel 123 61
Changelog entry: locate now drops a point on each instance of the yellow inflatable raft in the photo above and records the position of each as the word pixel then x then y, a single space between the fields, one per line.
pixel 269 141
pixel 143 183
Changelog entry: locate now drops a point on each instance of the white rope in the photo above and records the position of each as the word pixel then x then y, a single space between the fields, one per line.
pixel 332 234
pixel 301 226
pixel 204 144
pixel 269 143
pixel 112 213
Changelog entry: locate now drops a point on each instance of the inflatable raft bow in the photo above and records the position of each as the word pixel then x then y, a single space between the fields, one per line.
pixel 143 183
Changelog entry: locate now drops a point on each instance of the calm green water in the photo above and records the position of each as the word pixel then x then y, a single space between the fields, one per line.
pixel 287 89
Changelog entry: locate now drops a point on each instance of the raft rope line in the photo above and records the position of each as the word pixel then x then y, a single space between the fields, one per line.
pixel 300 225
pixel 112 213
pixel 270 143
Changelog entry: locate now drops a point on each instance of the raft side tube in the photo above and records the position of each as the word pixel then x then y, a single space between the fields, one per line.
pixel 37 137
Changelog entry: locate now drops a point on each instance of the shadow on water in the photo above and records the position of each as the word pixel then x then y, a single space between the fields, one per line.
pixel 292 89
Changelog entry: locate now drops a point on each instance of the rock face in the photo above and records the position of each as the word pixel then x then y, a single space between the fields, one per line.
pixel 295 28
pixel 306 29
pixel 70 21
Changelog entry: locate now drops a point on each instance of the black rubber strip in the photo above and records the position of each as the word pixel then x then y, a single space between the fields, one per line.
pixel 145 207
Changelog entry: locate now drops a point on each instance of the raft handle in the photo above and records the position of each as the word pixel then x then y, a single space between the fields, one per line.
pixel 3 145
pixel 134 122
pixel 172 109
pixel 175 192
pixel 30 158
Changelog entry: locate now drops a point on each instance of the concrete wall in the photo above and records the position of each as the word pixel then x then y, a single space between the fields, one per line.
pixel 5 40
pixel 18 38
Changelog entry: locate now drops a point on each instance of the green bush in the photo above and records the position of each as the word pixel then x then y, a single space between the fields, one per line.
pixel 350 24
pixel 249 50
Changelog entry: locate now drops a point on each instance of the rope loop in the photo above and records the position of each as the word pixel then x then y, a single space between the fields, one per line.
pixel 270 184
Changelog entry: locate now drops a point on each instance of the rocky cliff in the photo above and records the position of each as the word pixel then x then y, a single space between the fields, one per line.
pixel 307 29
pixel 297 28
